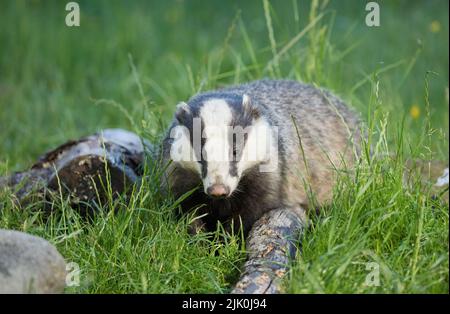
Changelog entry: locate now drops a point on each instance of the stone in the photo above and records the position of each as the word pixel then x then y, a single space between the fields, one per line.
pixel 29 264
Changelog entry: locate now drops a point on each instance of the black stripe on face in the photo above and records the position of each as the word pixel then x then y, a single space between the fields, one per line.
pixel 234 161
pixel 186 118
pixel 237 140
pixel 202 154
pixel 237 143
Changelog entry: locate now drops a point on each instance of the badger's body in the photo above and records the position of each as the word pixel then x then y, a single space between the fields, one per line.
pixel 310 134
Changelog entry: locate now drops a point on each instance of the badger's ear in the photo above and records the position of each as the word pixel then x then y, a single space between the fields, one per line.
pixel 249 107
pixel 182 113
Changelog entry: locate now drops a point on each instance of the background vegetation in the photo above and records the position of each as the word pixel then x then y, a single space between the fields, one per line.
pixel 142 57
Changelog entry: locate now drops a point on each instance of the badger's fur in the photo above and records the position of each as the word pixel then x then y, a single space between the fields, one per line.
pixel 301 134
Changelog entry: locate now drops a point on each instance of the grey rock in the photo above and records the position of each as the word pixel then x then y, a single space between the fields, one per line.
pixel 29 264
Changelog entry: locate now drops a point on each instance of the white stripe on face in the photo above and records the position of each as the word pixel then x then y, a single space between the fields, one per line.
pixel 181 150
pixel 259 147
pixel 217 116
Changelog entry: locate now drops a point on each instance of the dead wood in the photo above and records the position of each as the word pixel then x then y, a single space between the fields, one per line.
pixel 82 169
pixel 270 245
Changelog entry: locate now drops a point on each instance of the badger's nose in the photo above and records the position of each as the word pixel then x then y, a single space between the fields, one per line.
pixel 218 190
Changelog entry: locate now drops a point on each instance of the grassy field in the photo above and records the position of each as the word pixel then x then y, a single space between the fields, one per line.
pixel 142 57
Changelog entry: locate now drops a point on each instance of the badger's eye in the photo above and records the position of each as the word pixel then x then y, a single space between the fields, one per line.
pixel 235 152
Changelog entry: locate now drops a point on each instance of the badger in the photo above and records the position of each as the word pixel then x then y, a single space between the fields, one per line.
pixel 241 151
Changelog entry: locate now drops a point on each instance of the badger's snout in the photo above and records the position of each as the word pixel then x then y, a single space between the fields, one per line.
pixel 218 191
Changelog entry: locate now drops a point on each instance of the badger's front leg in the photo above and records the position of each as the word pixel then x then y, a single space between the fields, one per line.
pixel 196 226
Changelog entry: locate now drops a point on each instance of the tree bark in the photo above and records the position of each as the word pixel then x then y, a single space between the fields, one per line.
pixel 271 245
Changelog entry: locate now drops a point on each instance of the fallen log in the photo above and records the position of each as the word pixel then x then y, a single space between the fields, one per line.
pixel 271 245
pixel 81 169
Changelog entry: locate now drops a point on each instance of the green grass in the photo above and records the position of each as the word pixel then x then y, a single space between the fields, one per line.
pixel 58 83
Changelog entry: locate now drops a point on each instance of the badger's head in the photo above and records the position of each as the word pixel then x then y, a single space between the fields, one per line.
pixel 220 137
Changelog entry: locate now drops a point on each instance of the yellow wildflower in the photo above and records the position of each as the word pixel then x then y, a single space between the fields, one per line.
pixel 435 27
pixel 414 112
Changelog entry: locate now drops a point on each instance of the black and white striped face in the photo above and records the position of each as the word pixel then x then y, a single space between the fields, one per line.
pixel 220 137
